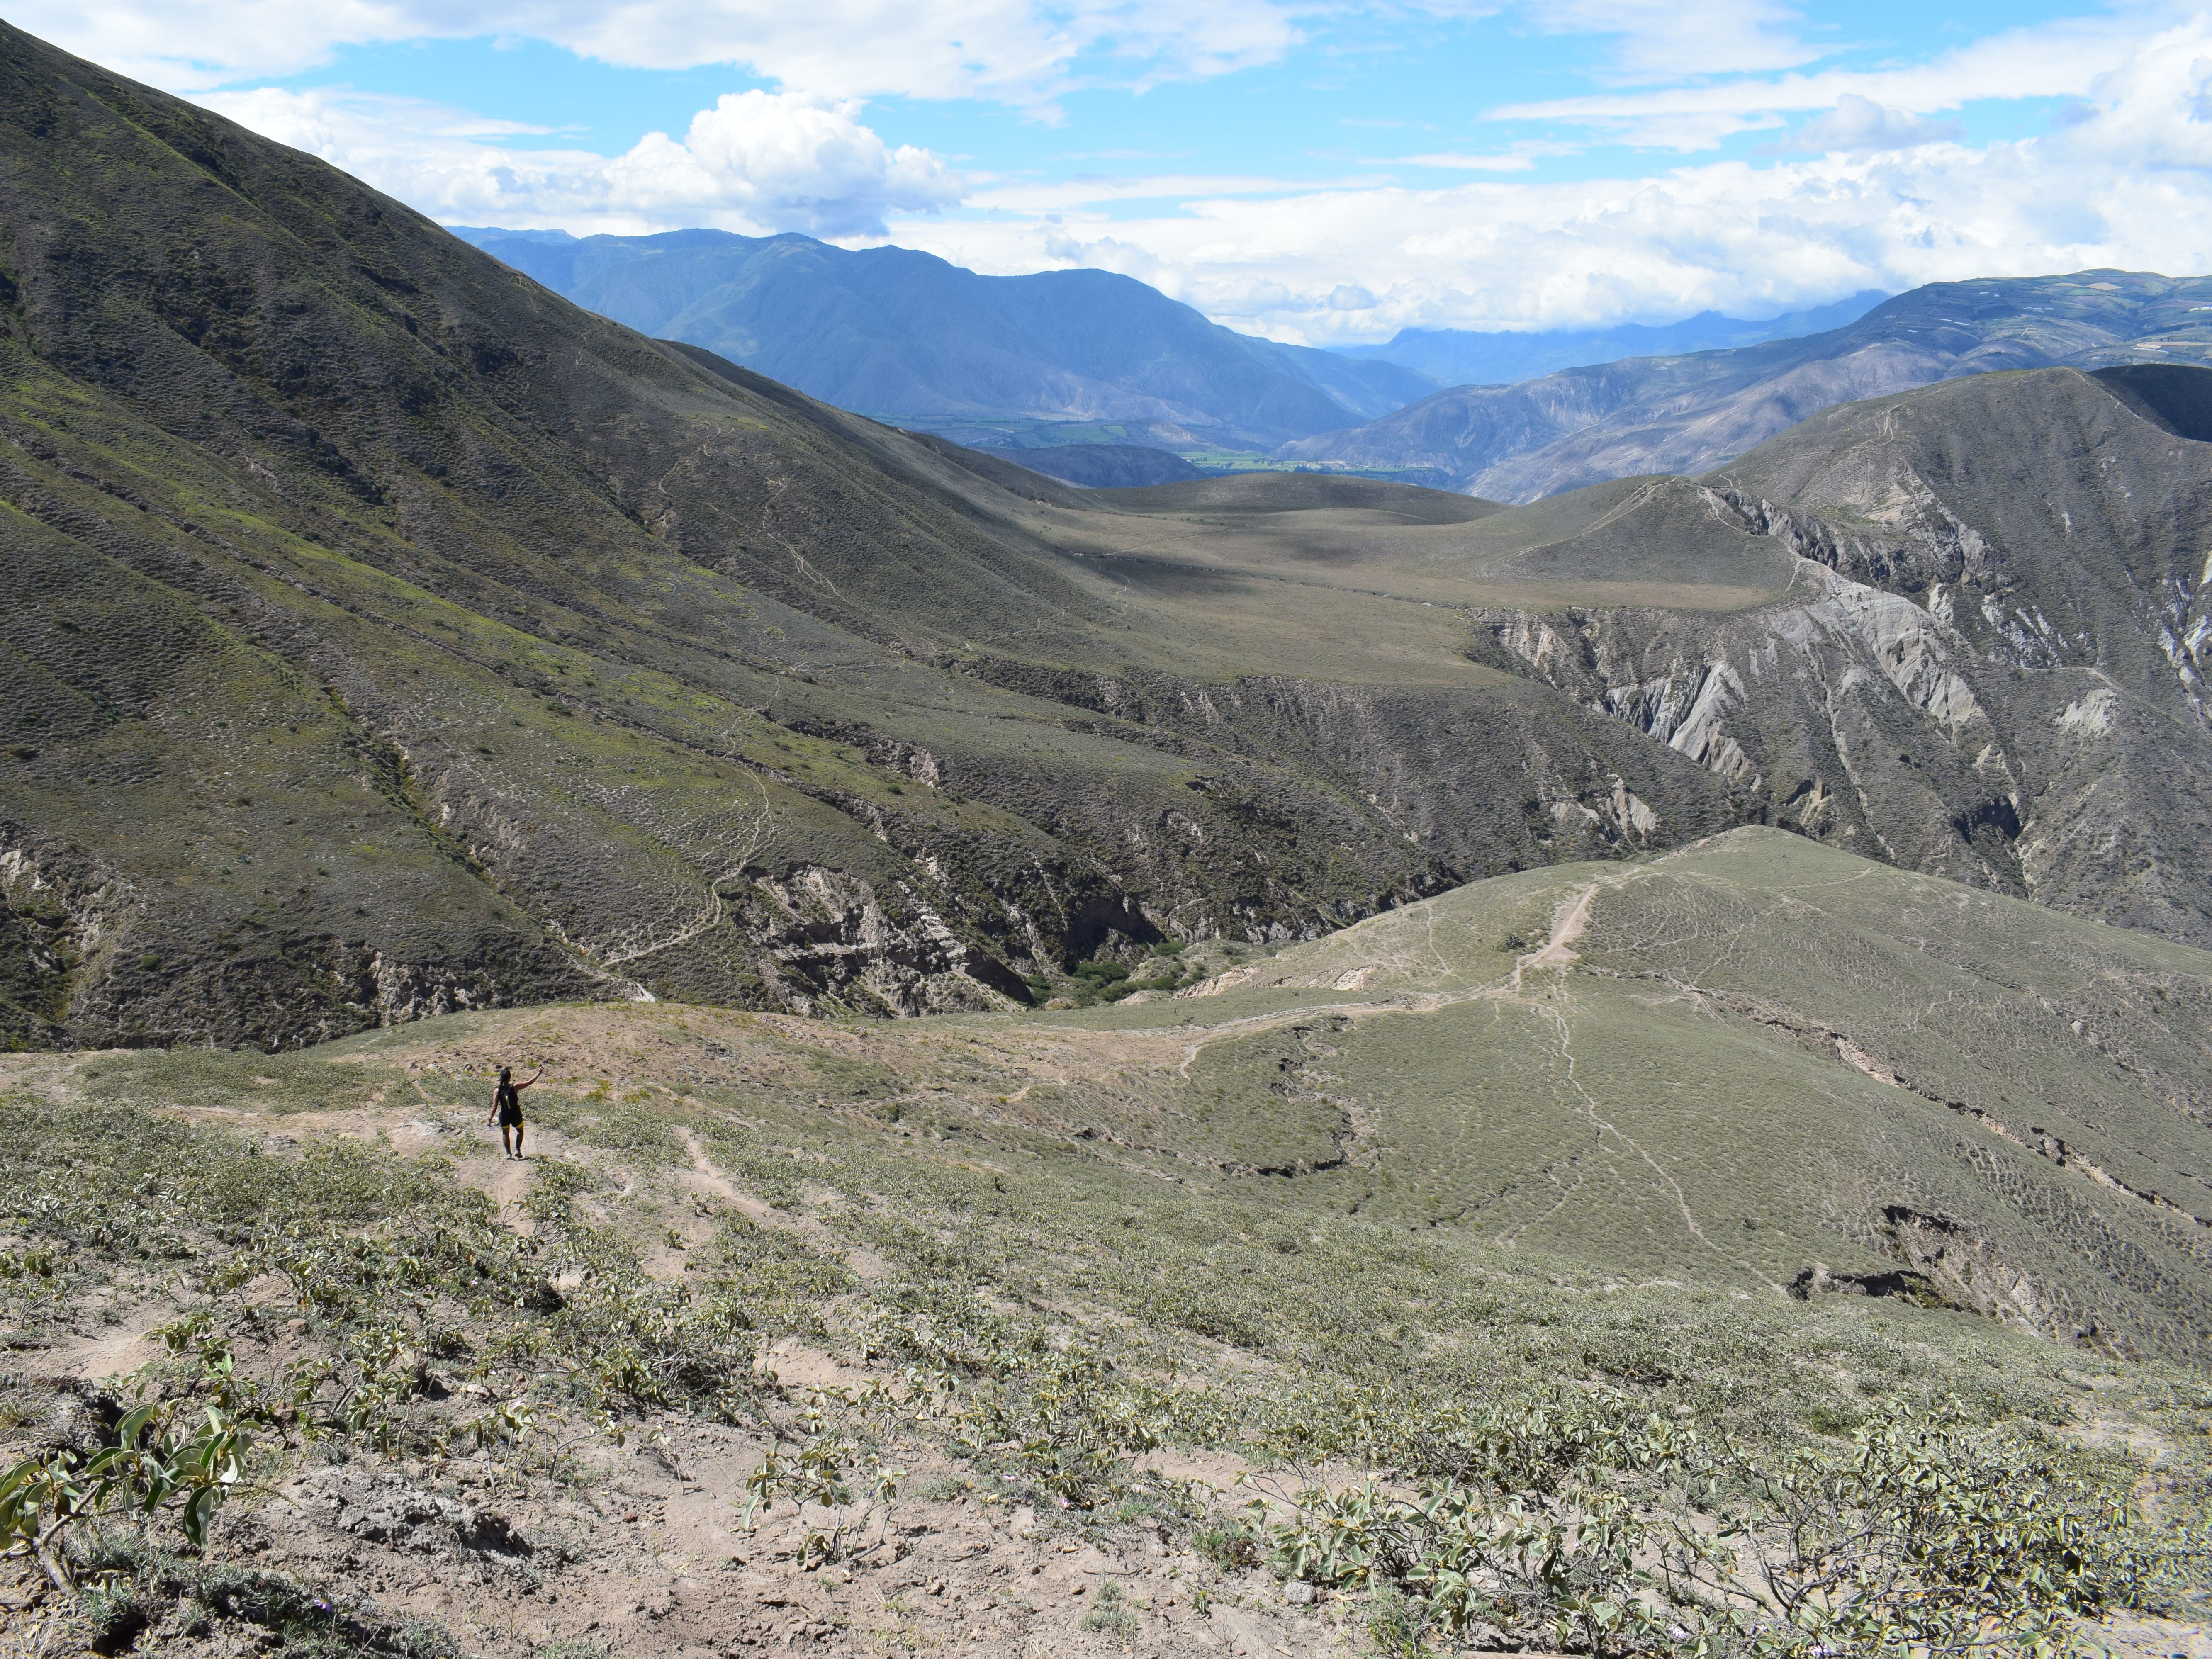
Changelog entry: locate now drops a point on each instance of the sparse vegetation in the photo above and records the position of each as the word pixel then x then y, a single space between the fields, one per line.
pixel 1750 1249
pixel 1448 1435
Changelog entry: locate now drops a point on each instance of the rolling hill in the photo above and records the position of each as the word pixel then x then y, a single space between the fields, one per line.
pixel 395 637
pixel 1685 414
pixel 1620 1185
pixel 910 338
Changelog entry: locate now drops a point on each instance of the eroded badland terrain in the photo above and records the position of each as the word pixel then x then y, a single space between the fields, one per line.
pixel 1281 1064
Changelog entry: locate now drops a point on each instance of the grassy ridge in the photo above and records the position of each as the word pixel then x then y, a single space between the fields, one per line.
pixel 1513 1199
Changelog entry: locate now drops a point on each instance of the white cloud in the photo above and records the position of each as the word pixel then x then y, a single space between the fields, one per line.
pixel 756 161
pixel 1659 39
pixel 1857 123
pixel 1048 196
pixel 2127 183
pixel 2060 59
pixel 1018 51
pixel 1876 188
pixel 1519 157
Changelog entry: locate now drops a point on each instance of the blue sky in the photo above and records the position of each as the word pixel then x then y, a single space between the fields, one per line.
pixel 1312 172
pixel 1360 96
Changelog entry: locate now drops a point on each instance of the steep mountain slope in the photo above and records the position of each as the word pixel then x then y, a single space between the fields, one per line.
pixel 1685 414
pixel 389 635
pixel 907 337
pixel 1458 356
pixel 1992 662
pixel 1105 466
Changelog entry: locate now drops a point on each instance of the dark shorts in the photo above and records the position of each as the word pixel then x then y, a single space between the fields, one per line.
pixel 511 1118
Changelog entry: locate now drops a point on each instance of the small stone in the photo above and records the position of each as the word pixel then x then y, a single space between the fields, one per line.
pixel 1298 1593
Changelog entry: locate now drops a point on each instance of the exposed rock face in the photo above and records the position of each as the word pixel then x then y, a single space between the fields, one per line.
pixel 828 934
pixel 1996 678
pixel 397 638
pixel 1944 1262
pixel 63 913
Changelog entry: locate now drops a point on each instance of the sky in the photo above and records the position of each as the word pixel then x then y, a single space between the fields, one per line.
pixel 1317 172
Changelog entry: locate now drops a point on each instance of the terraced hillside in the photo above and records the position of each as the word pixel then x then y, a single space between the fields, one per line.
pixel 1610 1189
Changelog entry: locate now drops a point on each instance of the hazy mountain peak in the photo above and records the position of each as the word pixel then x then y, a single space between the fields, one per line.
pixel 1681 414
pixel 907 337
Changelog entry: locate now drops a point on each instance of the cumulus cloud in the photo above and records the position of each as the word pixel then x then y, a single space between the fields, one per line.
pixel 2126 183
pixel 756 161
pixel 1857 123
pixel 1018 51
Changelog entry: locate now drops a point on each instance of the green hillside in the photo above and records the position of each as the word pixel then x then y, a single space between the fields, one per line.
pixel 1625 1188
pixel 395 637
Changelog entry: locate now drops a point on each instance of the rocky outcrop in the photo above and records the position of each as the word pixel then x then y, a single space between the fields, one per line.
pixel 832 945
pixel 1997 680
pixel 63 915
pixel 391 1510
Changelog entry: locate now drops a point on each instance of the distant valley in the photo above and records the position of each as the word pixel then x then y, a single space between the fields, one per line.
pixel 1684 414
pixel 1063 361
pixel 398 637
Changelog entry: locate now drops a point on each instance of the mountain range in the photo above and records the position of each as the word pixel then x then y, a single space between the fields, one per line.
pixel 1685 413
pixel 1033 990
pixel 910 338
pixel 392 636
pixel 1454 357
pixel 1061 361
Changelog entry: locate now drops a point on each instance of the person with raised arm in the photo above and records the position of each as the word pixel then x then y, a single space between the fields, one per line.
pixel 507 1108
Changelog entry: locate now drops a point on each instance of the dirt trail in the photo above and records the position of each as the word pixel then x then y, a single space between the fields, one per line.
pixel 1569 923
pixel 865 1264
pixel 711 1177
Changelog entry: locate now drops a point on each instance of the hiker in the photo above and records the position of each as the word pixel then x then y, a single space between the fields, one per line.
pixel 507 1108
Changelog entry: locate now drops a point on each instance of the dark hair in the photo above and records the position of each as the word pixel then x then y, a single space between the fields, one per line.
pixel 504 1073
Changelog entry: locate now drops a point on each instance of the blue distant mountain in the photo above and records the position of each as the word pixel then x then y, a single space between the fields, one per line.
pixel 908 338
pixel 1454 358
